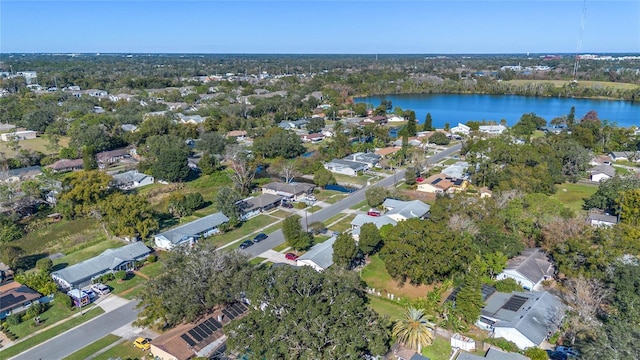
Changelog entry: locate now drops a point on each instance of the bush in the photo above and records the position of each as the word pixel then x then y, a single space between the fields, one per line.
pixel 64 300
pixel 44 264
pixel 536 354
pixel 508 285
pixel 554 338
pixel 34 310
pixel 14 319
pixel 152 258
pixel 121 275
pixel 503 344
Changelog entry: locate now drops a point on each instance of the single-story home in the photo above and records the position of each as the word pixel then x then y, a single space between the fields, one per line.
pixel 400 210
pixel 491 354
pixel 369 159
pixel 492 129
pixel 461 129
pixel 293 191
pixel 527 319
pixel 378 221
pixel 203 339
pixel 457 170
pixel 601 172
pixel 18 135
pixel 191 119
pixel 625 156
pixel 15 298
pixel 20 174
pixel 597 220
pixel 111 260
pixel 319 257
pixel 65 165
pixel 312 138
pixel 528 269
pixel 253 206
pixel 132 179
pixel 436 184
pixel 238 134
pixel 189 233
pixel 345 167
pixel 296 124
pixel 128 128
pixel 387 151
pixel 112 156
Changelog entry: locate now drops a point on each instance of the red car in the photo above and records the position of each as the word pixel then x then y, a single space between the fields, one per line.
pixel 419 179
pixel 373 213
pixel 291 256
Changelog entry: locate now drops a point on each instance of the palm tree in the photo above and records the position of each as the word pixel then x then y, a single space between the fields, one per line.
pixel 414 330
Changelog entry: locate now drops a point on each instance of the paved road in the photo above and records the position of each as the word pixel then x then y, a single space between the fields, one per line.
pixel 75 339
pixel 276 238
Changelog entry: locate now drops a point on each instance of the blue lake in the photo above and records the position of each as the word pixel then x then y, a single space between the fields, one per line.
pixel 454 108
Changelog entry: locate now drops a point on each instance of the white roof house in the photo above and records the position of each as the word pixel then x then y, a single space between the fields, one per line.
pixel 461 129
pixel 189 233
pixel 320 257
pixel 111 260
pixel 132 179
pixel 601 172
pixel 492 129
pixel 528 269
pixel 400 210
pixel 600 220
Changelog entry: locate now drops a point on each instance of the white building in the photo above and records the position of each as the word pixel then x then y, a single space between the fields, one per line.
pixel 529 269
pixel 461 129
pixel 189 233
pixel 320 257
pixel 492 129
pixel 18 135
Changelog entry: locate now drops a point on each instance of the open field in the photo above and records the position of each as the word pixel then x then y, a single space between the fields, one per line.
pixel 581 83
pixel 377 277
pixel 48 334
pixel 88 252
pixel 61 237
pixel 573 195
pixel 37 144
pixel 89 350
pixel 385 307
pixel 124 350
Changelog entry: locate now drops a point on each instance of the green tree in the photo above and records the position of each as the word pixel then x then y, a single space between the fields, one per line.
pixel 9 230
pixel 129 215
pixel 376 195
pixel 608 193
pixel 166 157
pixel 571 118
pixel 308 315
pixel 323 177
pixel 410 116
pixel 469 298
pixel 414 330
pixel 83 191
pixel 211 143
pixel 315 125
pixel 278 142
pixel 44 264
pixel 181 205
pixel 410 176
pixel 345 251
pixel 439 138
pixel 89 157
pixel 226 201
pixel 428 123
pixel 293 233
pixel 369 240
pixel 208 164
pixel 629 205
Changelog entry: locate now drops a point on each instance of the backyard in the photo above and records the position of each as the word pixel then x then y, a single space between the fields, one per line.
pixel 376 276
pixel 572 195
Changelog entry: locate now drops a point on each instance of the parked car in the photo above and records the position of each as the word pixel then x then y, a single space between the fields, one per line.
pixel 568 351
pixel 419 179
pixel 143 344
pixel 311 197
pixel 287 205
pixel 291 256
pixel 556 355
pixel 260 237
pixel 245 244
pixel 91 293
pixel 101 289
pixel 374 213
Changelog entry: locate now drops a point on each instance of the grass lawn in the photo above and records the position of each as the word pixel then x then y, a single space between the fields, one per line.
pixel 153 269
pixel 323 195
pixel 281 247
pixel 124 350
pixel 37 144
pixel 88 252
pixel 257 260
pixel 361 205
pixel 449 162
pixel 377 277
pixel 55 313
pixel 343 224
pixel 62 236
pixel 622 171
pixel 439 350
pixel 122 288
pixel 280 214
pixel 248 228
pixel 573 195
pixel 46 335
pixel 352 180
pixel 89 350
pixel 385 307
pixel 318 239
pixel 335 198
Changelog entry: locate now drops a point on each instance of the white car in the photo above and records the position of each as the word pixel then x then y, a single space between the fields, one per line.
pixel 311 197
pixel 100 288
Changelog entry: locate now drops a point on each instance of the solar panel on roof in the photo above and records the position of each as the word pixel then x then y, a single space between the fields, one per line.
pixel 207 327
pixel 195 335
pixel 240 308
pixel 204 331
pixel 215 323
pixel 515 303
pixel 233 311
pixel 228 314
pixel 436 181
pixel 188 340
pixel 201 332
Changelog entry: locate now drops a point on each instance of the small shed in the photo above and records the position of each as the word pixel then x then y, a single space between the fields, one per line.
pixel 462 342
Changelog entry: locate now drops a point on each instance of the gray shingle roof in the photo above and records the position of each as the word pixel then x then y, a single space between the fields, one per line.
pixel 108 260
pixel 21 172
pixel 532 263
pixel 378 221
pixel 603 217
pixel 492 354
pixel 321 254
pixel 357 166
pixel 290 188
pixel 603 169
pixel 259 202
pixel 129 176
pixel 194 228
pixel 407 209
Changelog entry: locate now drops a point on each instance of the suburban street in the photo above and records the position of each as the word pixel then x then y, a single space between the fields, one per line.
pixel 276 238
pixel 75 339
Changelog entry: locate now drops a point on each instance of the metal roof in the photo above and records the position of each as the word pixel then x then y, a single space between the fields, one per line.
pixel 194 228
pixel 321 254
pixel 407 209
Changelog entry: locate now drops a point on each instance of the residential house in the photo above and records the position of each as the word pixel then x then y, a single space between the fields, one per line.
pixel 312 138
pixel 526 319
pixel 18 135
pixel 601 220
pixel 345 167
pixel 202 339
pixel 111 260
pixel 492 129
pixel 441 183
pixel 20 174
pixel 97 93
pixel 131 180
pixel 461 129
pixel 253 206
pixel 528 269
pixel 189 233
pixel 369 159
pixel 15 298
pixel 191 119
pixel 118 97
pixel 106 158
pixel 601 172
pixel 378 221
pixel 625 156
pixel 457 171
pixel 395 118
pixel 555 129
pixel 378 119
pixel 238 134
pixel 491 354
pixel 400 210
pixel 128 128
pixel 291 191
pixel 65 165
pixel 485 193
pixel 387 151
pixel 293 124
pixel 319 257
pixel 328 133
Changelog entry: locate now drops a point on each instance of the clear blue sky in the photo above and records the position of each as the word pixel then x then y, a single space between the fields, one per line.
pixel 351 27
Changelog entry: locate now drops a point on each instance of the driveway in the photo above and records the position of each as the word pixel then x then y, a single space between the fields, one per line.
pixel 121 312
